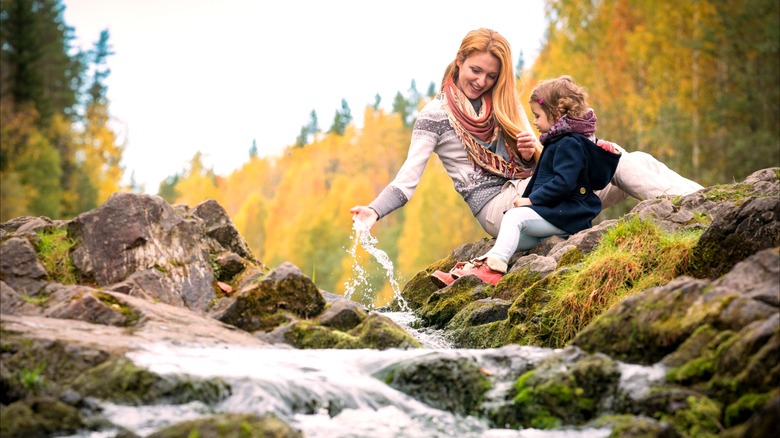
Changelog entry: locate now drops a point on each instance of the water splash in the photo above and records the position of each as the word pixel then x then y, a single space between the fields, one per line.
pixel 359 280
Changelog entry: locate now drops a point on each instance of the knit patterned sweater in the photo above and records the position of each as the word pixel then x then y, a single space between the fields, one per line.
pixel 433 133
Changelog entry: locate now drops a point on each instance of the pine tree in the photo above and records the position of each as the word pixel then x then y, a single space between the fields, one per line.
pixel 341 119
pixel 307 130
pixel 99 149
pixel 36 57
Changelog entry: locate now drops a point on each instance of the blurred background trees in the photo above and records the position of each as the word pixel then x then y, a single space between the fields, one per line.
pixel 696 84
pixel 58 153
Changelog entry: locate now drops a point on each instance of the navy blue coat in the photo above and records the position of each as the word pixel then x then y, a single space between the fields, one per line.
pixel 561 189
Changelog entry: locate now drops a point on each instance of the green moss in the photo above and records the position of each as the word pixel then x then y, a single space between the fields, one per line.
pixel 698 419
pixel 514 284
pixel 568 393
pixel 381 333
pixel 735 193
pixel 311 335
pixel 530 411
pixel 39 416
pixel 631 426
pixel 443 305
pixel 230 426
pixel 53 248
pixel 131 314
pixel 41 299
pixel 696 370
pixel 742 409
pixel 121 381
pixel 571 257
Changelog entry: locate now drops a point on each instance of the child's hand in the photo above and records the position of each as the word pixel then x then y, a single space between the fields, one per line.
pixel 520 202
pixel 607 146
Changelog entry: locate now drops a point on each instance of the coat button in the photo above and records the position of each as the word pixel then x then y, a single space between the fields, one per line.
pixel 582 190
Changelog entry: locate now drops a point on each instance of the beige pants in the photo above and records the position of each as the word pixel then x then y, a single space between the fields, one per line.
pixel 638 175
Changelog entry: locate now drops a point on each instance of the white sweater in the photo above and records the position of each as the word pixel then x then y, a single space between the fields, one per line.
pixel 433 134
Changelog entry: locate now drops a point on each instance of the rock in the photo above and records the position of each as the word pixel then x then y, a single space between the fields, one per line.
pixel 231 425
pixel 19 266
pixel 131 233
pixel 220 227
pixel 261 305
pixel 442 380
pixel 343 315
pixel 745 230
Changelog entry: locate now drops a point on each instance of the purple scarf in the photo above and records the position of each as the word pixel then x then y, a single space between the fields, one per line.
pixel 585 126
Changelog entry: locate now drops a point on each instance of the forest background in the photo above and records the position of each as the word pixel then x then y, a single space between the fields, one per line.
pixel 696 84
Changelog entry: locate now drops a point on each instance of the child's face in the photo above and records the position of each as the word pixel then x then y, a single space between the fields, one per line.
pixel 540 118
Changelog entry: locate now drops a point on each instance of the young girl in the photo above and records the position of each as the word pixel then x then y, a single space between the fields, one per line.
pixel 560 198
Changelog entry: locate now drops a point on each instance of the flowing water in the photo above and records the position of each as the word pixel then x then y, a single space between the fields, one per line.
pixel 360 280
pixel 323 393
pixel 333 393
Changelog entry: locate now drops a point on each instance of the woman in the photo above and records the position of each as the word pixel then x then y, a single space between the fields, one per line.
pixel 485 142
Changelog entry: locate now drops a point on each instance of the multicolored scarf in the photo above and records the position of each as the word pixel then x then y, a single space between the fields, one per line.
pixel 480 136
pixel 585 126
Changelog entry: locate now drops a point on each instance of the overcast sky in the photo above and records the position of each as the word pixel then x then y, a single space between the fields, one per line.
pixel 212 76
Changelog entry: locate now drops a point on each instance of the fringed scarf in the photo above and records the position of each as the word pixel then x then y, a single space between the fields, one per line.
pixel 479 133
pixel 585 126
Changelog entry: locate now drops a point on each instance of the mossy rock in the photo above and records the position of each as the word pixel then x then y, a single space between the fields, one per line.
pixel 563 390
pixel 375 332
pixel 311 335
pixel 464 331
pixel 230 426
pixel 454 384
pixel 382 333
pixel 40 416
pixel 635 426
pixel 445 303
pixel 121 381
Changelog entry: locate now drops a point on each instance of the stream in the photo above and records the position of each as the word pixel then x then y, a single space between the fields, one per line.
pixel 333 393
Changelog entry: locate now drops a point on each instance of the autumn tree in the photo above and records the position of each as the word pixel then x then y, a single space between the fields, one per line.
pixel 695 84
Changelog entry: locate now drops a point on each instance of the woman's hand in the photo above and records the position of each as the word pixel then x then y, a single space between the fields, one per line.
pixel 364 214
pixel 526 145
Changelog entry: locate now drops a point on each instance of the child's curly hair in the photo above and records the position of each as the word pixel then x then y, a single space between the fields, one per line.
pixel 560 96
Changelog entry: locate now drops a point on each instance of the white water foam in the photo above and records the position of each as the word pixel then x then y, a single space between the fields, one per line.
pixel 359 280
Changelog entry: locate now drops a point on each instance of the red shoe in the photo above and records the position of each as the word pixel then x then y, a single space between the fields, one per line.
pixel 483 271
pixel 441 279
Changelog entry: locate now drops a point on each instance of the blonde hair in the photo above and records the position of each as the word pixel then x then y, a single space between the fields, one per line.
pixel 560 96
pixel 506 107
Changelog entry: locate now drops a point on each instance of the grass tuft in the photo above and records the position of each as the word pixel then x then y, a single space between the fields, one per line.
pixel 54 254
pixel 633 256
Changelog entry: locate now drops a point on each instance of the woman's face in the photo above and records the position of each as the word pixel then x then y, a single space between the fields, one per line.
pixel 478 73
pixel 540 118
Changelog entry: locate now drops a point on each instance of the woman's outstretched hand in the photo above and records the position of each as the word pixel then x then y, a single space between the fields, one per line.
pixel 526 145
pixel 364 214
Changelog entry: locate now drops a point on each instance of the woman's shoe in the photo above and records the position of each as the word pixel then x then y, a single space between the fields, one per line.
pixel 482 270
pixel 441 279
